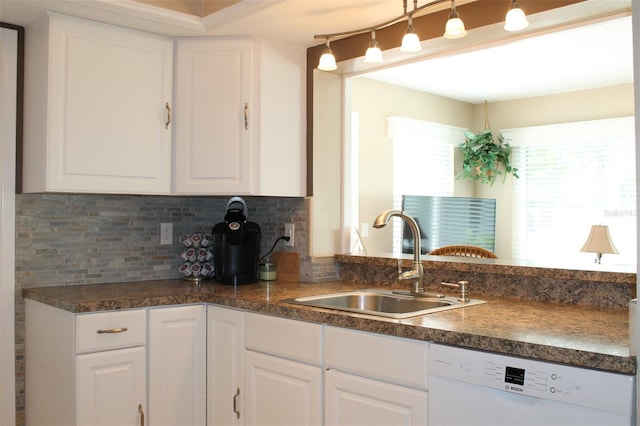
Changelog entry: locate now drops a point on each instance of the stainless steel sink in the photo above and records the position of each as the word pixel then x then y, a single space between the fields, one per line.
pixel 382 303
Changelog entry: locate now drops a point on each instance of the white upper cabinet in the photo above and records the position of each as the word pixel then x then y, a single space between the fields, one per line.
pixel 97 107
pixel 100 116
pixel 240 118
pixel 213 149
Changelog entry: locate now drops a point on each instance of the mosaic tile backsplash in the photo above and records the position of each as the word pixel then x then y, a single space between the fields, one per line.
pixel 92 239
pixel 64 239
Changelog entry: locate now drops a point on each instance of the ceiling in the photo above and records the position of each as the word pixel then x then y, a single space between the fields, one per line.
pixel 295 21
pixel 587 57
pixel 593 56
pixel 193 7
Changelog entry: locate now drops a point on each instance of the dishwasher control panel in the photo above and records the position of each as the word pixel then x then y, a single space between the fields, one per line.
pixel 573 385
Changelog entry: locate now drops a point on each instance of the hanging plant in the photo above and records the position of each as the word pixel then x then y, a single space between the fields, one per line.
pixel 486 156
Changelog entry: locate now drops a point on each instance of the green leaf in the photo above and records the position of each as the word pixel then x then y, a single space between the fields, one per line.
pixel 485 156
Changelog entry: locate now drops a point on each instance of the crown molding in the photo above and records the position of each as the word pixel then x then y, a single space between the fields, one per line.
pixel 238 10
pixel 147 12
pixel 130 9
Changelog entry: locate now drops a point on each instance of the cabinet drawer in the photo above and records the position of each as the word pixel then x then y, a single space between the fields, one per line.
pixel 287 338
pixel 110 330
pixel 395 359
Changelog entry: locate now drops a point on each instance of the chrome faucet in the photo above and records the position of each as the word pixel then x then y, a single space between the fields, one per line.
pixel 415 277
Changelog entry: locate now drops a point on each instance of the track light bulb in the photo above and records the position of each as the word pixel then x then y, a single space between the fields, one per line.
pixel 410 40
pixel 374 54
pixel 515 20
pixel 327 60
pixel 455 26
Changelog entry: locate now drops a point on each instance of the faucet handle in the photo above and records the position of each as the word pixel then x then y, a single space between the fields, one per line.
pixel 463 286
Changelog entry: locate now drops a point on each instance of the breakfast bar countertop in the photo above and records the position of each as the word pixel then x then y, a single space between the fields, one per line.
pixel 582 336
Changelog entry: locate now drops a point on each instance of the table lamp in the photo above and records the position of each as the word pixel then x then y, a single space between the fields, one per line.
pixel 599 241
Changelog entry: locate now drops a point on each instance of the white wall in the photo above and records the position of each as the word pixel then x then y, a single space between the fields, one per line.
pixel 375 101
pixel 8 76
pixel 325 205
pixel 634 320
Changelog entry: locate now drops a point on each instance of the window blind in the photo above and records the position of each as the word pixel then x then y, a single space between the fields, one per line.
pixel 573 176
pixel 447 221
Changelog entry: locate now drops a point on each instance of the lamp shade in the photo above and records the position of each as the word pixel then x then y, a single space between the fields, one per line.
pixel 327 61
pixel 515 20
pixel 455 27
pixel 374 54
pixel 410 42
pixel 599 241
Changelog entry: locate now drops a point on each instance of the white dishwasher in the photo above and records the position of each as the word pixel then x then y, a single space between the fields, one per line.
pixel 468 387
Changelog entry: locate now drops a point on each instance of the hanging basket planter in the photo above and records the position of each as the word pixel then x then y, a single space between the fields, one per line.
pixel 486 156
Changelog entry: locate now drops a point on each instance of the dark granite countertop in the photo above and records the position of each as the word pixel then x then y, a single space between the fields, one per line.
pixel 623 274
pixel 583 336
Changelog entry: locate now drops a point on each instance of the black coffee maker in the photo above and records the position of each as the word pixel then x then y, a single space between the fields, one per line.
pixel 236 246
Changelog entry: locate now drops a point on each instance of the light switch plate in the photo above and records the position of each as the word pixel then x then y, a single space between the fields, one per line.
pixel 166 234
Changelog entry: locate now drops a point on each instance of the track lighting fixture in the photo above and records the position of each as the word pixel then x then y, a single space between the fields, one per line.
pixel 327 60
pixel 515 20
pixel 455 26
pixel 410 40
pixel 374 54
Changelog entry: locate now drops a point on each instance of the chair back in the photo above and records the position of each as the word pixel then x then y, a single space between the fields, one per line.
pixel 462 250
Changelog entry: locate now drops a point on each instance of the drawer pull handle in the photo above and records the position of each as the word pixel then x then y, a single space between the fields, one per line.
pixel 235 403
pixel 141 411
pixel 112 330
pixel 246 115
pixel 168 108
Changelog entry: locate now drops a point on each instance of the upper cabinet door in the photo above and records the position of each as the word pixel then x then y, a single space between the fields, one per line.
pixel 98 103
pixel 214 117
pixel 281 114
pixel 240 118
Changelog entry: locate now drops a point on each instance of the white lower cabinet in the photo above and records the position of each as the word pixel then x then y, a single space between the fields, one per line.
pixel 197 364
pixel 281 392
pixel 283 371
pixel 225 366
pixel 109 384
pixel 100 369
pixel 84 369
pixel 354 400
pixel 177 365
pixel 372 379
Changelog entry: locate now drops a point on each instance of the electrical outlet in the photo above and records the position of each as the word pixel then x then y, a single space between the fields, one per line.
pixel 364 230
pixel 289 231
pixel 166 234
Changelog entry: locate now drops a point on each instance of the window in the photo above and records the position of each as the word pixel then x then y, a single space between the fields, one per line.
pixel 573 176
pixel 422 162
